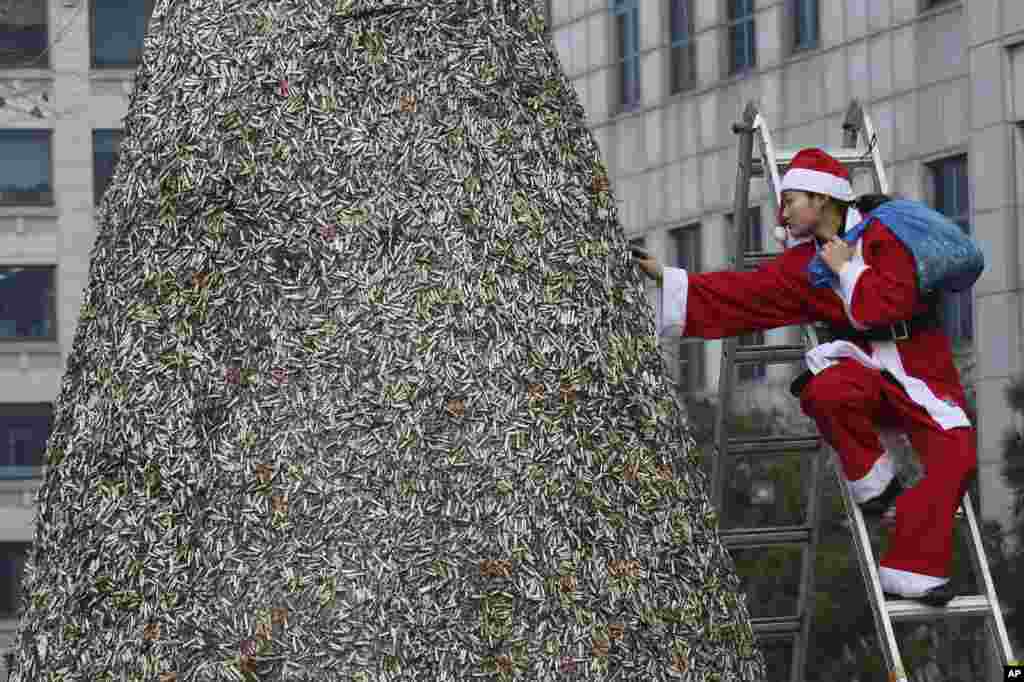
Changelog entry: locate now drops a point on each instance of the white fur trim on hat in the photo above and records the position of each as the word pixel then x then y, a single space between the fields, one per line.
pixel 807 180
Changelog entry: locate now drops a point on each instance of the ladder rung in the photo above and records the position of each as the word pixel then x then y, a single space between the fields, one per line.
pixel 765 537
pixel 754 259
pixel 905 610
pixel 776 353
pixel 851 158
pixel 773 445
pixel 777 627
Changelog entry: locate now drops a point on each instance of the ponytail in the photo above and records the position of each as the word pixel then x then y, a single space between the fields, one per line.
pixel 869 202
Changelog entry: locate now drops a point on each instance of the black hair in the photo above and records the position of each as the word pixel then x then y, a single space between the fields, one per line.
pixel 869 202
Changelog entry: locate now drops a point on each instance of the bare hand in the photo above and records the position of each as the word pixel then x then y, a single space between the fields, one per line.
pixel 836 253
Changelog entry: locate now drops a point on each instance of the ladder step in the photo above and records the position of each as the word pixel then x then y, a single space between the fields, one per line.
pixel 765 537
pixel 773 445
pixel 777 627
pixel 853 159
pixel 903 610
pixel 755 259
pixel 770 354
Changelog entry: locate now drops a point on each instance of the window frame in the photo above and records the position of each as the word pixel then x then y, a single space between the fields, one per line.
pixel 18 472
pixel 43 60
pixel 732 23
pixel 14 591
pixel 796 14
pixel 687 245
pixel 52 304
pixel 957 307
pixel 678 45
pixel 46 138
pixel 149 6
pixel 97 191
pixel 627 61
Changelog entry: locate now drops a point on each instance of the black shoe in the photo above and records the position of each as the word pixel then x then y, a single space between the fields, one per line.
pixel 937 597
pixel 877 506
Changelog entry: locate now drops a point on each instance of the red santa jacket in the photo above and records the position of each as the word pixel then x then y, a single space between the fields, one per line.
pixel 877 287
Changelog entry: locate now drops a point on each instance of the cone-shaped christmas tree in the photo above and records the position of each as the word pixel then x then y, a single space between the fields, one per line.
pixel 365 384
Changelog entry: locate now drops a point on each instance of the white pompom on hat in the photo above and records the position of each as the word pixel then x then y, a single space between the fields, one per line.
pixel 813 170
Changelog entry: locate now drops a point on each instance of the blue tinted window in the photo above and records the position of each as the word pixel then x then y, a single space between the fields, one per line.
pixel 741 35
pixel 24 431
pixel 12 568
pixel 627 26
pixel 105 147
pixel 25 167
pixel 26 303
pixel 118 30
pixel 806 24
pixel 952 200
pixel 684 71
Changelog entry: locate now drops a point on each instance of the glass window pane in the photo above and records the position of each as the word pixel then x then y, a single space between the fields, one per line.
pixel 118 30
pixel 740 8
pixel 23 441
pixel 25 167
pixel 634 31
pixel 24 432
pixel 12 566
pixel 680 19
pixel 741 38
pixel 748 43
pixel 106 147
pixel 23 35
pixel 26 303
pixel 684 73
pixel 966 315
pixel 806 23
pixel 621 36
pixel 735 50
pixel 962 195
pixel 755 239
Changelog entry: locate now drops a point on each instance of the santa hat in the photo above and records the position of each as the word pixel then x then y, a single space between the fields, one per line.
pixel 812 170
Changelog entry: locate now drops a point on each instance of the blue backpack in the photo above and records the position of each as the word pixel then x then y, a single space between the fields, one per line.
pixel 946 258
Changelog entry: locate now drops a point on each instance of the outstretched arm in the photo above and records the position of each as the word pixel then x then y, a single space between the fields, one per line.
pixel 714 305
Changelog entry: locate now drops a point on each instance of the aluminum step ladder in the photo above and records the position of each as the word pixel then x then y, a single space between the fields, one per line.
pixel 860 151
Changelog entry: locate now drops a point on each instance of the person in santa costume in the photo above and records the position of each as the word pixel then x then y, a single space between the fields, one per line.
pixel 888 370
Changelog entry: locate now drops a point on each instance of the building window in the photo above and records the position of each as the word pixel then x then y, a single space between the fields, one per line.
pixel 27 304
pixel 687 246
pixel 117 32
pixel 23 35
pixel 547 15
pixel 25 168
pixel 752 371
pixel 949 178
pixel 929 4
pixel 12 570
pixel 741 36
pixel 106 145
pixel 684 53
pixel 805 24
pixel 627 39
pixel 24 431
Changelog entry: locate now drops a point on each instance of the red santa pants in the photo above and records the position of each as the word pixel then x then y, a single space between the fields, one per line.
pixel 850 403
